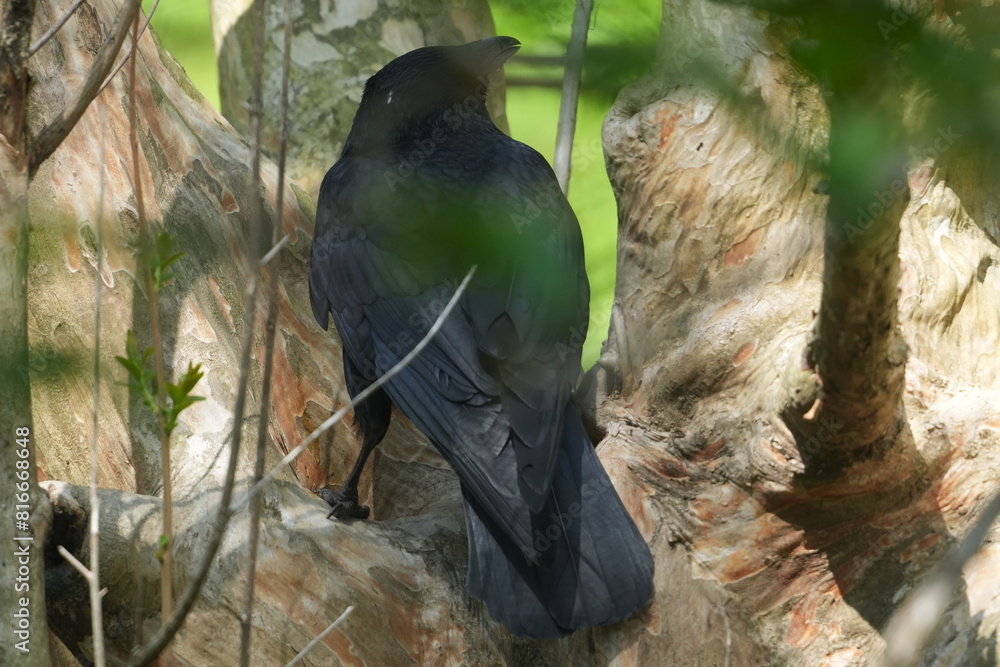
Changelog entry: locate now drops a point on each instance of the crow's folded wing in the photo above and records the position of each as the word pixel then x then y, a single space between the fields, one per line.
pixel 491 388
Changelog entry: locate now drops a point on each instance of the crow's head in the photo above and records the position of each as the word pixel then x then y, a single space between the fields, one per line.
pixel 435 85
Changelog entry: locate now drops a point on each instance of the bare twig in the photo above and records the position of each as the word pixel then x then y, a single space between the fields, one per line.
pixel 48 138
pixel 246 618
pixel 96 616
pixel 571 92
pixel 368 391
pixel 266 259
pixel 50 33
pixel 319 637
pixel 74 561
pixel 131 49
pixel 918 620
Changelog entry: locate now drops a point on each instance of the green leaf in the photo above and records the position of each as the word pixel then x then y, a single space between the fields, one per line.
pixel 132 369
pixel 179 395
pixel 163 257
pixel 161 547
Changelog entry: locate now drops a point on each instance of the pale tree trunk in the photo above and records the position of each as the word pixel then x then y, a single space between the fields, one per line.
pixel 23 637
pixel 771 545
pixel 335 48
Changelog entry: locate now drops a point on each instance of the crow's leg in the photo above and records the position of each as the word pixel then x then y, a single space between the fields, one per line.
pixel 373 416
pixel 344 503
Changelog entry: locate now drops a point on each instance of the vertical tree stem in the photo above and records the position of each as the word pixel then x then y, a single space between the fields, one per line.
pixel 571 92
pixel 166 576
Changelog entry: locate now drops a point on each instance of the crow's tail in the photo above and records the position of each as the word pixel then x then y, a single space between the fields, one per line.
pixel 588 564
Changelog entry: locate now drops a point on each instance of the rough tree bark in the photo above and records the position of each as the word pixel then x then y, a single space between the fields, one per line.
pixel 760 558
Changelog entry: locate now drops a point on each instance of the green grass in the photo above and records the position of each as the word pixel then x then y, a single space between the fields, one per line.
pixel 184 28
pixel 621 36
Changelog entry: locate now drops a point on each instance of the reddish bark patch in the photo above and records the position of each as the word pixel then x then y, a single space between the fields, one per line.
pixel 710 451
pixel 920 546
pixel 672 469
pixel 740 252
pixel 744 352
pixel 229 204
pixel 666 119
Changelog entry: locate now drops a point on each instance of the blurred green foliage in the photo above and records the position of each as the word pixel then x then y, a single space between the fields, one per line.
pixel 621 45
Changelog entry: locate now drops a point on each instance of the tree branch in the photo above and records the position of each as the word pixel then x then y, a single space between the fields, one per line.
pixel 96 615
pixel 857 353
pixel 246 617
pixel 131 49
pixel 298 658
pixel 166 570
pixel 571 92
pixel 858 350
pixel 50 33
pixel 52 135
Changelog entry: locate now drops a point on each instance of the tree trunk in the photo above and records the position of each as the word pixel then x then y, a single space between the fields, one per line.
pixel 699 394
pixel 25 512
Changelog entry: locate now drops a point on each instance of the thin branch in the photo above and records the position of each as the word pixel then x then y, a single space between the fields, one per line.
pixel 319 637
pixel 917 621
pixel 131 48
pixel 571 92
pixel 368 391
pixel 77 565
pixel 52 135
pixel 246 617
pixel 266 259
pixel 96 615
pixel 50 33
pixel 166 569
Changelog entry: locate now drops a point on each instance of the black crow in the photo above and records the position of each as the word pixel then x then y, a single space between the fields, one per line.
pixel 425 188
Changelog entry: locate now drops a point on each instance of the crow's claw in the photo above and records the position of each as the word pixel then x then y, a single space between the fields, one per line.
pixel 344 504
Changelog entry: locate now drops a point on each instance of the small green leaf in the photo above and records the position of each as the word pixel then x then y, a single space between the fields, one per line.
pixel 132 369
pixel 161 547
pixel 163 257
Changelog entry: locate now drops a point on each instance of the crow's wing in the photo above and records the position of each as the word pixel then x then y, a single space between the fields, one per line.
pixel 392 243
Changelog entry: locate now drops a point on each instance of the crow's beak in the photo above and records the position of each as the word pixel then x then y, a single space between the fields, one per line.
pixel 493 52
